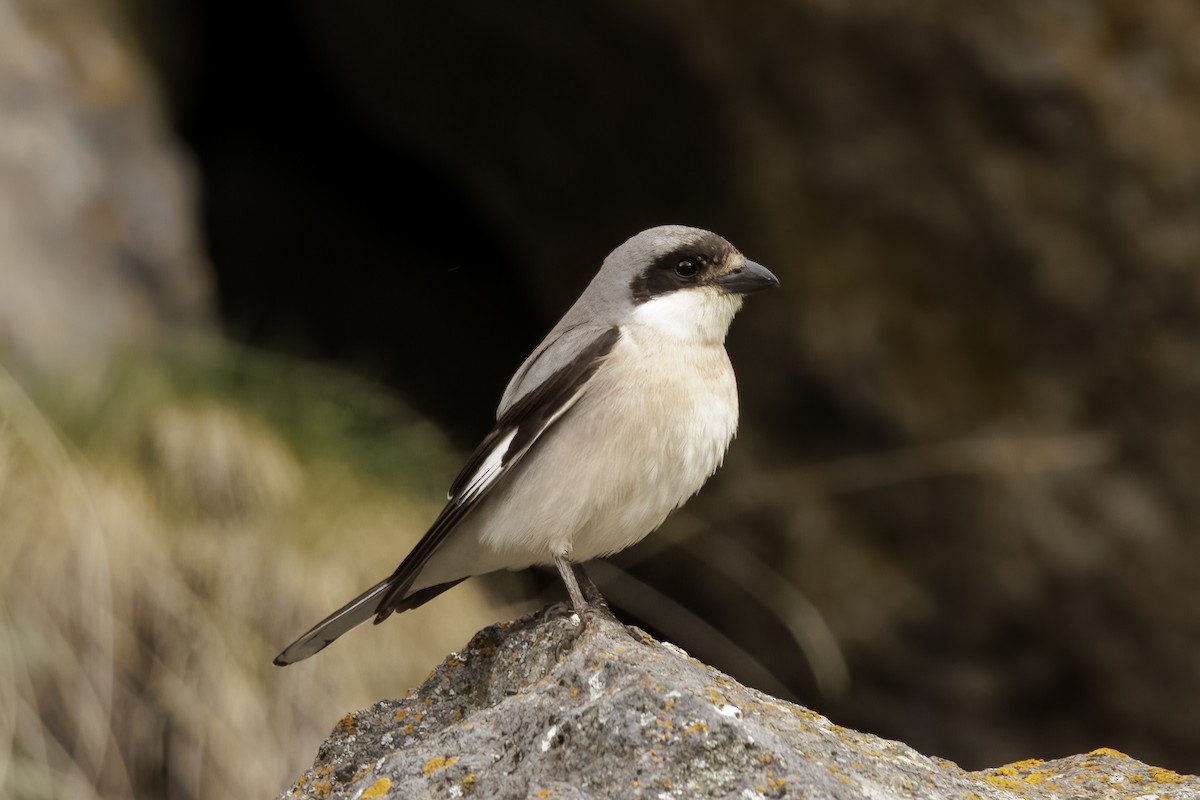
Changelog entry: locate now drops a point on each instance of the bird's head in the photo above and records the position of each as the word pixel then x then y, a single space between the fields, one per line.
pixel 685 282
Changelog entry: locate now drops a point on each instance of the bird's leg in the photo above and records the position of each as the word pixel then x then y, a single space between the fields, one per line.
pixel 598 605
pixel 568 576
pixel 590 592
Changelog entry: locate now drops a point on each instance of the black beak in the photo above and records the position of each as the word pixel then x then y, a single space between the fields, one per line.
pixel 751 277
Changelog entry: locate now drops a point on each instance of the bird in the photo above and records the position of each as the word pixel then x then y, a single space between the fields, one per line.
pixel 617 418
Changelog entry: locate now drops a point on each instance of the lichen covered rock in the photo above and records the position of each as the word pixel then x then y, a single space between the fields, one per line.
pixel 541 708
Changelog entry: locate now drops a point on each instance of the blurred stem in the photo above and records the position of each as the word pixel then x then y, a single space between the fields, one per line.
pixel 1012 456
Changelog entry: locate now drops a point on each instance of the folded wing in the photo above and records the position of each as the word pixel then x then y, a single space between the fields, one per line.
pixel 517 430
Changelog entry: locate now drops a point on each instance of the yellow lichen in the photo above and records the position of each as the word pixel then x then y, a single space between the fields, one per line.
pixel 544 793
pixel 1009 775
pixel 1107 751
pixel 439 762
pixel 346 724
pixel 1038 776
pixel 400 715
pixel 700 726
pixel 378 789
pixel 807 714
pixel 573 692
pixel 765 758
pixel 1001 781
pixel 1161 775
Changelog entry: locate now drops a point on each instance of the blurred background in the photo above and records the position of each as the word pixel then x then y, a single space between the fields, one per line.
pixel 265 270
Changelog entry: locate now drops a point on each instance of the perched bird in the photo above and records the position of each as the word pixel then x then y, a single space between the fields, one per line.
pixel 618 417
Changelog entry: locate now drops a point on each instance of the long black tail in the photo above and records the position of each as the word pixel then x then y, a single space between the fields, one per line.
pixel 351 615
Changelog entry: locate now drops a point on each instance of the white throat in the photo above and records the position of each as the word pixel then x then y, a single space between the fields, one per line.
pixel 700 315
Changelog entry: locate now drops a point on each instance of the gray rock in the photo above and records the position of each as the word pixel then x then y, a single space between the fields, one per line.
pixel 540 708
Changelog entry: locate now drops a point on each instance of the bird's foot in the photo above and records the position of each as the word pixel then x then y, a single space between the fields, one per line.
pixel 587 604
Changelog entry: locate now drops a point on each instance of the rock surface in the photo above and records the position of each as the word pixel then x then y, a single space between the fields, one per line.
pixel 538 708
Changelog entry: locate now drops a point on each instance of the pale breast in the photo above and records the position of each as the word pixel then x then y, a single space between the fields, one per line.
pixel 652 427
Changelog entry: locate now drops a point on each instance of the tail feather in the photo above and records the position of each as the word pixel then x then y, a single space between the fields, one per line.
pixel 353 614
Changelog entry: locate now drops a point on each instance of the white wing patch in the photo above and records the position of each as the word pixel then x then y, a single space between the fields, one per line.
pixel 488 471
pixel 493 466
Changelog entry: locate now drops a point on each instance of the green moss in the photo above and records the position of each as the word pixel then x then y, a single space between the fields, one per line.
pixel 322 414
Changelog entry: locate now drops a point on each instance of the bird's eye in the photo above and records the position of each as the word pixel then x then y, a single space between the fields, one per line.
pixel 686 269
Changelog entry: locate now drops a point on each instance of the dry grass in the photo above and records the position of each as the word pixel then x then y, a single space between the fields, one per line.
pixel 162 543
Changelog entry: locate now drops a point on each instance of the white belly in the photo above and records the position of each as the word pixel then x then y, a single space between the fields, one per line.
pixel 638 444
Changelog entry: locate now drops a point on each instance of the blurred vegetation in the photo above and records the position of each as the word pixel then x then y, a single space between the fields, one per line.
pixel 163 543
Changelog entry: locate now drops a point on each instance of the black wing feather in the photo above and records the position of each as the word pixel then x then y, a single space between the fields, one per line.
pixel 525 420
